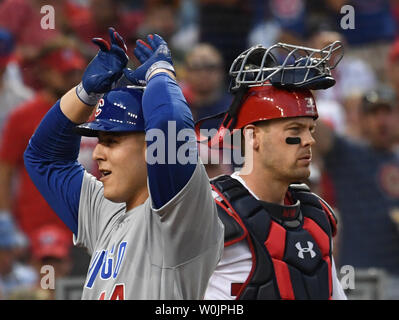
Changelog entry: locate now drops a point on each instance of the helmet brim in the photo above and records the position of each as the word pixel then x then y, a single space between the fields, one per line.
pixel 91 129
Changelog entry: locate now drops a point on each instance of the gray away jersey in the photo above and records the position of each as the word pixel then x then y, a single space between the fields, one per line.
pixel 168 253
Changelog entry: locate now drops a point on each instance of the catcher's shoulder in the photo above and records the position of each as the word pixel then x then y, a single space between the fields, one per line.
pixel 303 192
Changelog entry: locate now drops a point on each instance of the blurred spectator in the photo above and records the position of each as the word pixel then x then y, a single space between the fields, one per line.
pixel 392 71
pixel 225 24
pixel 206 95
pixel 14 276
pixel 204 84
pixel 354 77
pixel 23 19
pixel 395 13
pixel 162 17
pixel 293 21
pixel 352 115
pixel 12 90
pixel 289 21
pixel 278 21
pixel 392 66
pixel 58 68
pixel 373 32
pixel 51 246
pixel 93 21
pixel 374 22
pixel 364 177
pixel 187 35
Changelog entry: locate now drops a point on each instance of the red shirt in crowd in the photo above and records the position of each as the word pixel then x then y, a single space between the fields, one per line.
pixel 85 27
pixel 23 20
pixel 30 209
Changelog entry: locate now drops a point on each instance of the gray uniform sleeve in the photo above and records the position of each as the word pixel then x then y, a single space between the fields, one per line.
pixel 95 212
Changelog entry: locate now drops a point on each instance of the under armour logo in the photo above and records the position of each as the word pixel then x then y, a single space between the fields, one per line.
pixel 302 250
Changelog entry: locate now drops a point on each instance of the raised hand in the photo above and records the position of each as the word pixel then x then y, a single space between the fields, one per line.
pixel 104 70
pixel 153 55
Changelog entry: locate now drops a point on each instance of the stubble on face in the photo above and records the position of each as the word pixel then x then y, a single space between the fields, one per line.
pixel 290 163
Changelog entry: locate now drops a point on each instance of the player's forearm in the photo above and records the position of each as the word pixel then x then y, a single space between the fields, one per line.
pixel 165 108
pixel 54 138
pixel 51 161
pixel 74 109
pixel 163 102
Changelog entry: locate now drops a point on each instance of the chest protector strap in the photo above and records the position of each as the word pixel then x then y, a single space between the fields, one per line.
pixel 291 251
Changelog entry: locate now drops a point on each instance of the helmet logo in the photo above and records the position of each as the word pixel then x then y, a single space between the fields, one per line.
pixel 310 106
pixel 98 109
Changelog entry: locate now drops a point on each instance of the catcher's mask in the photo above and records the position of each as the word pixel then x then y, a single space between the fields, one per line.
pixel 272 83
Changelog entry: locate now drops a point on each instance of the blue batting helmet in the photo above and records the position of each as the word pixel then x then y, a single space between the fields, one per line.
pixel 118 111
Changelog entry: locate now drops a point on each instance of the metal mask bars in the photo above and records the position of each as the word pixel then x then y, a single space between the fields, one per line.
pixel 286 66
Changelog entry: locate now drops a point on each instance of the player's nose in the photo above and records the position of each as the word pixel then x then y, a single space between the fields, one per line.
pixel 99 152
pixel 308 139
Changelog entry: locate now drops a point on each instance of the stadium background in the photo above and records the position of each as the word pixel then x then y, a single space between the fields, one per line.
pixel 37 65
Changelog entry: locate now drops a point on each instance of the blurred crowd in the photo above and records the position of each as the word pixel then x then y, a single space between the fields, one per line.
pixel 356 158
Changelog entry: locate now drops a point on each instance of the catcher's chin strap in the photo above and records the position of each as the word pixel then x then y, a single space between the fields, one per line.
pixel 231 115
pixel 230 118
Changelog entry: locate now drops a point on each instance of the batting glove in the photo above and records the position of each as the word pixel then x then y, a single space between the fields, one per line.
pixel 154 55
pixel 104 70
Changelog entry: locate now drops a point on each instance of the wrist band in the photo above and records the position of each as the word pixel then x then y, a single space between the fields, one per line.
pixel 159 65
pixel 89 99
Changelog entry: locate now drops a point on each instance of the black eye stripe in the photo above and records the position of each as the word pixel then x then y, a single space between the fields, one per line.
pixel 293 140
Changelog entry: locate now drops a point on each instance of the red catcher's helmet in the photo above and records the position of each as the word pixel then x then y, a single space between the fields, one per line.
pixel 268 102
pixel 259 103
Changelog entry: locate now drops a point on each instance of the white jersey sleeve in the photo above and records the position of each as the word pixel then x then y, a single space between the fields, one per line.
pixel 338 291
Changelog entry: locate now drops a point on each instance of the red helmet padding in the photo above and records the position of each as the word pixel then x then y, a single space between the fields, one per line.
pixel 268 102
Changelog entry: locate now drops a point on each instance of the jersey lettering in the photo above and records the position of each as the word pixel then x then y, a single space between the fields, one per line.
pixel 105 261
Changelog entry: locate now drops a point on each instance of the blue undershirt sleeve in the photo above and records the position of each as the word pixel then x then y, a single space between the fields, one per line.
pixel 171 159
pixel 51 161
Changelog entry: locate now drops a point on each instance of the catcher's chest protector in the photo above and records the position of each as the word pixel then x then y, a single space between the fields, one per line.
pixel 290 245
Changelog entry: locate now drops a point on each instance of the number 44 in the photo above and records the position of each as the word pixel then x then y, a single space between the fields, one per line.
pixel 118 293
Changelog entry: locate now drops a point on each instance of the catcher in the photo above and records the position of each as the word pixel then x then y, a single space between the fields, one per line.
pixel 278 234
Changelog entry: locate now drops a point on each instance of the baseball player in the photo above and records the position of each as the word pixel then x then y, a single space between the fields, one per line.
pixel 155 240
pixel 278 235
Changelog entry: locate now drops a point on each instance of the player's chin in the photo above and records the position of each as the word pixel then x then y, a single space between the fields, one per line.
pixel 301 174
pixel 113 197
pixel 112 194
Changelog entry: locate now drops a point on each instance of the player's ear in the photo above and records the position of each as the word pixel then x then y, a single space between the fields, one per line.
pixel 252 136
